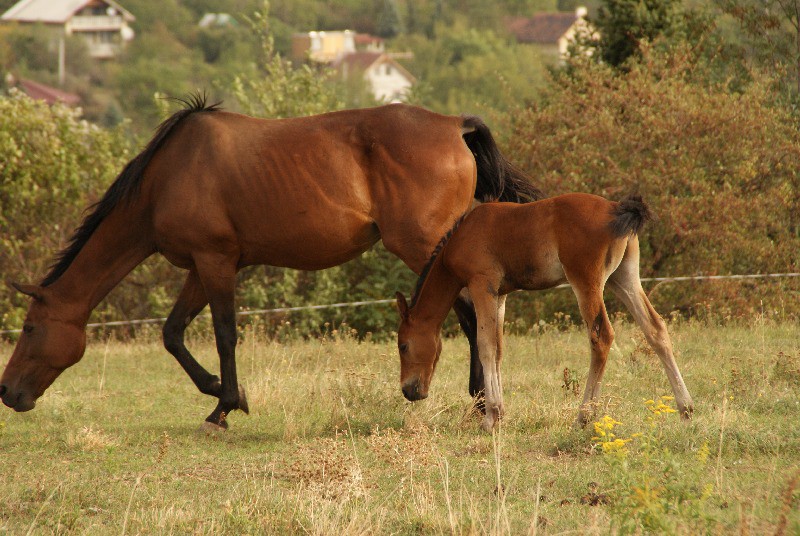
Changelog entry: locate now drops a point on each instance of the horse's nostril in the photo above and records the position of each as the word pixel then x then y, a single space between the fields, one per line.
pixel 3 389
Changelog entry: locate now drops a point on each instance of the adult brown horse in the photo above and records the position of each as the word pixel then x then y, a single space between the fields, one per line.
pixel 500 247
pixel 214 192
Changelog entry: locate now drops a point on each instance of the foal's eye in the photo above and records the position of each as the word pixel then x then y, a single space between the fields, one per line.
pixel 27 328
pixel 403 347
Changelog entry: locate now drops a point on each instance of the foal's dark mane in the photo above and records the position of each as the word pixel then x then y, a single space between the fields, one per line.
pixel 428 265
pixel 125 187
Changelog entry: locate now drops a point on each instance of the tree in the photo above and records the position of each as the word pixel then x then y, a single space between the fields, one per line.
pixel 277 88
pixel 389 22
pixel 718 167
pixel 771 31
pixel 465 70
pixel 624 24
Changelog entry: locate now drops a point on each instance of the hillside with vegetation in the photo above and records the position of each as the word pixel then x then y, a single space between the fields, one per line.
pixel 692 104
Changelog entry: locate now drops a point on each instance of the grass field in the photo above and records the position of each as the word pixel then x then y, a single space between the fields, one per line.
pixel 331 446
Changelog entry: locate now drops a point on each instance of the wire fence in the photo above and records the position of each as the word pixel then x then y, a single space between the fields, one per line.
pixel 277 310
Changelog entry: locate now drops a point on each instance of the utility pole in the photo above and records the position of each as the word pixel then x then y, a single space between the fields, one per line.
pixel 62 60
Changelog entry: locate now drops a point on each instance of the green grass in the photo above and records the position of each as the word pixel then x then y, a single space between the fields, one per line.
pixel 331 447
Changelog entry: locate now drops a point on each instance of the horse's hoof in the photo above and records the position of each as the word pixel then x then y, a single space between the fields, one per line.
pixel 243 400
pixel 210 428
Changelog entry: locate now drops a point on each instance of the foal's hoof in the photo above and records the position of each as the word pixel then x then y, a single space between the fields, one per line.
pixel 210 428
pixel 243 400
pixel 492 417
pixel 487 425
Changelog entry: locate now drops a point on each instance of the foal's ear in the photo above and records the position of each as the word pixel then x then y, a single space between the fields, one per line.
pixel 34 291
pixel 402 305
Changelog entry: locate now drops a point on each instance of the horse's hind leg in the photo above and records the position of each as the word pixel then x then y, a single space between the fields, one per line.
pixel 601 336
pixel 627 286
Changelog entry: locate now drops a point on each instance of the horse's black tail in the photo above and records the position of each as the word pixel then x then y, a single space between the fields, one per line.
pixel 630 215
pixel 498 179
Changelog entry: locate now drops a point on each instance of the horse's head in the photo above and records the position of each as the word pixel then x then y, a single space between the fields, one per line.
pixel 420 344
pixel 47 345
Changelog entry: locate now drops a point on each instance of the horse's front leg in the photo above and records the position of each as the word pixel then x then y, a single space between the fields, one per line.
pixel 218 278
pixel 191 301
pixel 487 310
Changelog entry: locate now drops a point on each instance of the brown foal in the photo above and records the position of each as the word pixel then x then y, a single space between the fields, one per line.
pixel 214 192
pixel 582 239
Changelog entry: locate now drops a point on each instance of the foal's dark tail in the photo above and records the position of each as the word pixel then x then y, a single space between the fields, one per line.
pixel 630 215
pixel 498 179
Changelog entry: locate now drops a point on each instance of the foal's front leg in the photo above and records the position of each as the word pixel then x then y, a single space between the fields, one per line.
pixel 489 334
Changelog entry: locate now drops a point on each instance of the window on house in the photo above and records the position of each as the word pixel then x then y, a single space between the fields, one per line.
pixel 388 70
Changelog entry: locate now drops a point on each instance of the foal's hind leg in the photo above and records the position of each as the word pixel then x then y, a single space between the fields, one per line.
pixel 627 287
pixel 191 301
pixel 601 336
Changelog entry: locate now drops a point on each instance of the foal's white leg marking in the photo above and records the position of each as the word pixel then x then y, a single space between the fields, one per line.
pixel 487 308
pixel 626 285
pixel 501 318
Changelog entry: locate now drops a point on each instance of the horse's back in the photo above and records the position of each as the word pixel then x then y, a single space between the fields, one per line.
pixel 307 192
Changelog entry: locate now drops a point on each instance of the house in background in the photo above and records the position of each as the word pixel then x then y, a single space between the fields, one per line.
pixel 37 91
pixel 551 32
pixel 104 24
pixel 327 47
pixel 388 80
pixel 217 20
pixel 355 54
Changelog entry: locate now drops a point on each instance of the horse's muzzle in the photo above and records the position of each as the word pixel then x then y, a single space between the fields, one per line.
pixel 16 401
pixel 411 391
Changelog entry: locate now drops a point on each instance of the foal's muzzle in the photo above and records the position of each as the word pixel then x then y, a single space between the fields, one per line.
pixel 411 391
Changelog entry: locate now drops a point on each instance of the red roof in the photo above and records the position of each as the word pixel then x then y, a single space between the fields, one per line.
pixel 366 39
pixel 542 28
pixel 51 95
pixel 359 60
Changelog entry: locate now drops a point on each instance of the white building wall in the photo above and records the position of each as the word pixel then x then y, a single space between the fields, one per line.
pixel 391 86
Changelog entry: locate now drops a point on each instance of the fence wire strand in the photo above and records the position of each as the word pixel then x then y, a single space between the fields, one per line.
pixel 144 321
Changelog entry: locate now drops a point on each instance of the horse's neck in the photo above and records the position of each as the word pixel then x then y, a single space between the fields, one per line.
pixel 119 244
pixel 438 293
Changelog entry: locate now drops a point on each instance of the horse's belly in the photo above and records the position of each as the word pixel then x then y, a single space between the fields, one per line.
pixel 307 246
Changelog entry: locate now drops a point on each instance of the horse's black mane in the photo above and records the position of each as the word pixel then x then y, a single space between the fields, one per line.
pixel 428 265
pixel 126 185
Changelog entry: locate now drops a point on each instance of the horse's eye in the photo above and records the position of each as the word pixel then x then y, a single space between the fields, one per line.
pixel 403 347
pixel 27 328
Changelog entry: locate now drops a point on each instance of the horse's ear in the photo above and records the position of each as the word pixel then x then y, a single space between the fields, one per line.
pixel 34 291
pixel 402 305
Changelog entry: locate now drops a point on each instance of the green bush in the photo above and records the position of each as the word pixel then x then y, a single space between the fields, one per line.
pixel 719 169
pixel 53 165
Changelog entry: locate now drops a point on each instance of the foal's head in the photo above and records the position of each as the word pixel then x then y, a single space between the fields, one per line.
pixel 420 344
pixel 47 345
